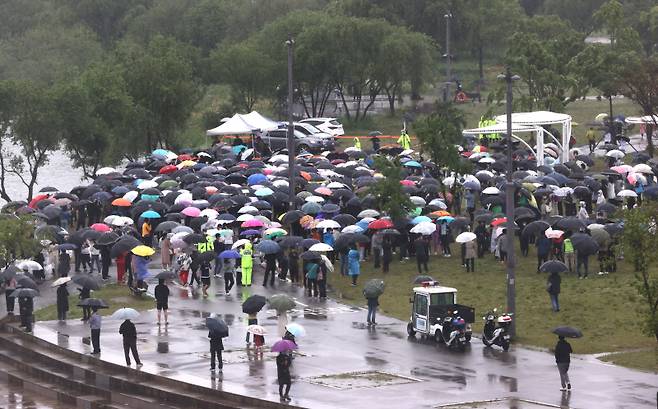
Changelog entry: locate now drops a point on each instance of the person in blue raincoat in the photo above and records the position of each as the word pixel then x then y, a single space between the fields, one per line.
pixel 141 271
pixel 354 268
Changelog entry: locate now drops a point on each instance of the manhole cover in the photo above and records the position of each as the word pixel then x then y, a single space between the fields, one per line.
pixel 358 380
pixel 505 403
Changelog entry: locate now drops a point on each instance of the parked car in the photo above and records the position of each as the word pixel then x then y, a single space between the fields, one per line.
pixel 308 129
pixel 277 140
pixel 328 125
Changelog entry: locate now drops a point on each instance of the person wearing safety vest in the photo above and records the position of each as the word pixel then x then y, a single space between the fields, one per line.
pixel 569 254
pixel 247 264
pixel 204 246
pixel 357 143
pixel 404 140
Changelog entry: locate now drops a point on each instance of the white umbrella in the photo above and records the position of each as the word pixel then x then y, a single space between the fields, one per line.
pixel 465 237
pixel 29 265
pixel 595 226
pixel 418 201
pixel 147 184
pixel 314 199
pixel 209 213
pixel 239 243
pixel 615 153
pixel 125 314
pixel 328 224
pixel 491 190
pixel 60 281
pixel 563 191
pixel 321 247
pixel 643 168
pixel 131 196
pixel 352 229
pixel 438 203
pixel 487 159
pixel 105 171
pixel 449 181
pixel 626 193
pixel 368 213
pixel 424 228
pixel 248 209
pixel 553 234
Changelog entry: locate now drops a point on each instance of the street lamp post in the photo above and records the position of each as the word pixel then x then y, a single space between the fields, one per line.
pixel 446 91
pixel 290 143
pixel 509 202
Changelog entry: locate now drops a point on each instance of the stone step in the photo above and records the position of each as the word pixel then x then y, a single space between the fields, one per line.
pixel 122 386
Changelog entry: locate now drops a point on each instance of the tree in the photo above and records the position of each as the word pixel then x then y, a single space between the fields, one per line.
pixel 541 56
pixel 163 84
pixel 639 82
pixel 640 244
pixel 97 118
pixel 388 190
pixel 105 17
pixel 242 67
pixel 17 239
pixel 440 133
pixel 31 129
pixel 578 13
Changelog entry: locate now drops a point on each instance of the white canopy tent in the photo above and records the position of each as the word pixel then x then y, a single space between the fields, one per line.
pixel 647 120
pixel 516 128
pixel 241 124
pixel 539 119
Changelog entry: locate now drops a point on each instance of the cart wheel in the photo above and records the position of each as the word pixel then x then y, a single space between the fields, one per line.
pixel 410 330
pixel 438 337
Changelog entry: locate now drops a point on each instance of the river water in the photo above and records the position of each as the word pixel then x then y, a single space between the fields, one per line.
pixel 58 173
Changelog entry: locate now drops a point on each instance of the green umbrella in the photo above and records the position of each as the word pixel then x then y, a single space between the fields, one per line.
pixel 282 302
pixel 601 236
pixel 168 184
pixel 373 288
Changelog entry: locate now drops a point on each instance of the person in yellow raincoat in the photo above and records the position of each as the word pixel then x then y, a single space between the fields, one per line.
pixel 247 264
pixel 357 143
pixel 404 140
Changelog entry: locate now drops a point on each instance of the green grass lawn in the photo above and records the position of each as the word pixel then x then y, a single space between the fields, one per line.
pixel 605 308
pixel 646 359
pixel 114 295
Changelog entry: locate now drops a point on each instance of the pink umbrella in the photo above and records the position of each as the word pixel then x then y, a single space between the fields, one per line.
pixel 554 234
pixel 324 191
pixel 622 168
pixel 101 227
pixel 191 211
pixel 252 223
pixel 407 182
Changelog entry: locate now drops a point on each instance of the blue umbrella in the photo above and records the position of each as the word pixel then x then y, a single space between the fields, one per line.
pixel 150 214
pixel 237 149
pixel 420 219
pixel 160 153
pixel 229 254
pixel 256 179
pixel 311 208
pixel 266 191
pixel 412 164
pixel 150 198
pixel 251 232
pixel 120 190
pixel 447 219
pixel 362 224
pixel 268 247
pixel 471 185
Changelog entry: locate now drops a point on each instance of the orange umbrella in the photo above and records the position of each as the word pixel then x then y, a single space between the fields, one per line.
pixel 306 175
pixel 121 202
pixel 440 213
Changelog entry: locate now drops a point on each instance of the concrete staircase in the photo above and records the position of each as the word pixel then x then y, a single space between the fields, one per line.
pixel 84 382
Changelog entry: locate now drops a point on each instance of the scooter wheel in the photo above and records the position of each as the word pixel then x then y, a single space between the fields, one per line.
pixel 485 342
pixel 438 337
pixel 461 347
pixel 506 346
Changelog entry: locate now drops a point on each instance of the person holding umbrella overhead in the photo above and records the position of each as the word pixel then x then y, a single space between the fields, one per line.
pixel 371 291
pixel 26 308
pixel 217 329
pixel 62 300
pixel 283 361
pixel 563 359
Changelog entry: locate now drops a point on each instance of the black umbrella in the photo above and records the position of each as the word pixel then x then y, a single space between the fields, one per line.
pixel 290 241
pixel 307 243
pixel 166 226
pixel 24 292
pixel 584 244
pixel 67 246
pixel 125 244
pixel 553 266
pixel 345 219
pixel 523 213
pixel 165 275
pixel 87 281
pixel 26 282
pixel 570 223
pixel 535 228
pixel 253 304
pixel 613 229
pixel 568 332
pixel 93 303
pixel 292 216
pixel 91 235
pixel 310 255
pixel 194 238
pixel 421 279
pixel 107 238
pixel 9 272
pixel 206 256
pixel 217 326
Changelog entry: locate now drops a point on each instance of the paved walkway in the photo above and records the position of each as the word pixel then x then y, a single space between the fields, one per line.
pixel 343 363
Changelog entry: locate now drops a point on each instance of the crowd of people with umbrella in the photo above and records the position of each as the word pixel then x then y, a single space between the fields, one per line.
pixel 223 206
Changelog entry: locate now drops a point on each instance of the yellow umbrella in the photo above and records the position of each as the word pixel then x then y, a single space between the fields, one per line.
pixel 143 251
pixel 186 164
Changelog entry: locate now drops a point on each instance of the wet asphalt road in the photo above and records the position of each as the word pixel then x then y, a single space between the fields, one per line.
pixel 392 371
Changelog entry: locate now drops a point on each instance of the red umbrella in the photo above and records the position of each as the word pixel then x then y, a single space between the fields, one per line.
pixel 499 221
pixel 165 170
pixel 101 227
pixel 407 182
pixel 381 224
pixel 37 199
pixel 184 156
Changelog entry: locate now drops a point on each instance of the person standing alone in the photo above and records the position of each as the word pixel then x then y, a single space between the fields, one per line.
pixel 129 332
pixel 95 326
pixel 563 359
pixel 553 288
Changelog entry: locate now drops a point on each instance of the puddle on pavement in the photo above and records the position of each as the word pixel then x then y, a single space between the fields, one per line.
pixel 375 361
pixel 512 383
pixel 13 397
pixel 442 374
pixel 360 380
pixel 507 403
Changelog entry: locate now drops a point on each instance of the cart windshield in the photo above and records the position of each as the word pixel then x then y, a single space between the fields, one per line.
pixel 442 299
